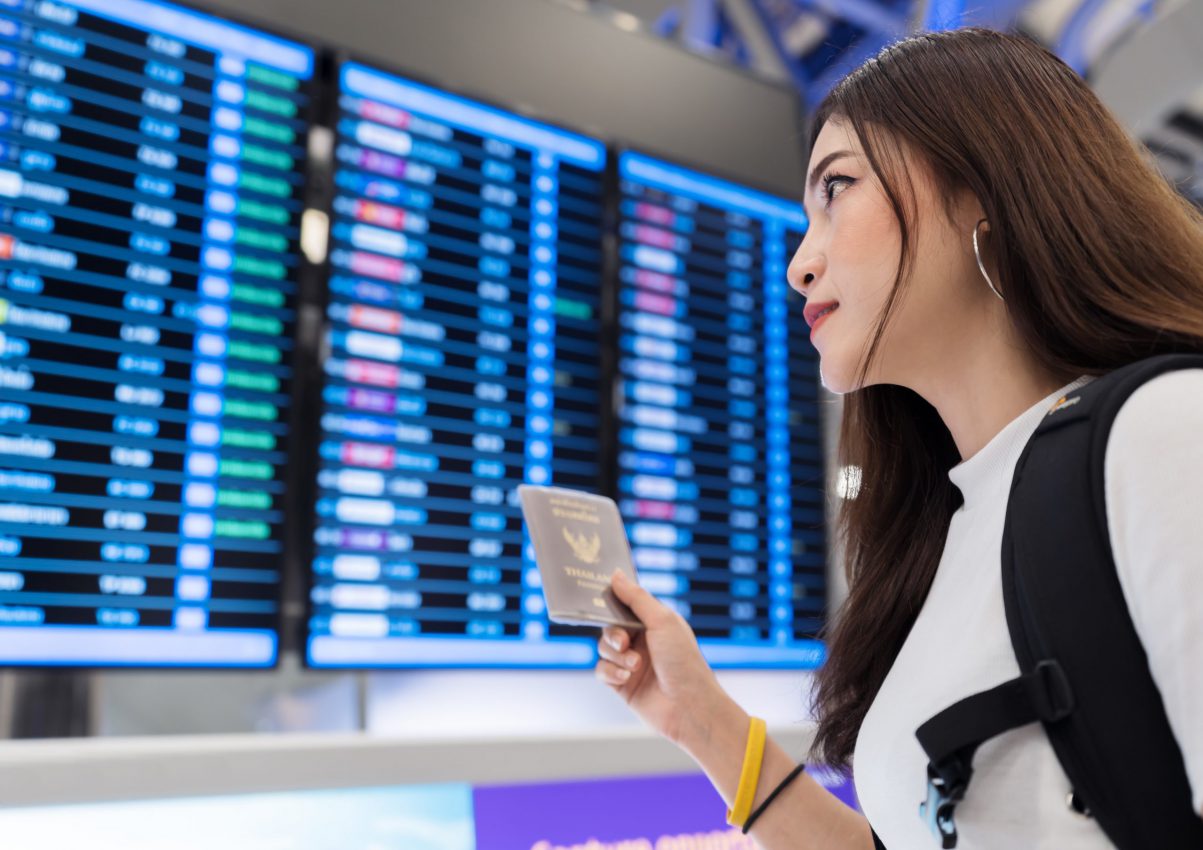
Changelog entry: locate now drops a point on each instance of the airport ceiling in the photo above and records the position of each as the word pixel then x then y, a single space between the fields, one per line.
pixel 812 43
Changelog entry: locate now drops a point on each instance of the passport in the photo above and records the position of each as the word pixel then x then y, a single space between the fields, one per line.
pixel 579 542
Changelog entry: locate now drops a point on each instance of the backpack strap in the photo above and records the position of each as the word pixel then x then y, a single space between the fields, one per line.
pixel 951 738
pixel 1084 674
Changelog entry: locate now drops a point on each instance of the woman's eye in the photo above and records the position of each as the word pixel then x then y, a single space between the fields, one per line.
pixel 830 182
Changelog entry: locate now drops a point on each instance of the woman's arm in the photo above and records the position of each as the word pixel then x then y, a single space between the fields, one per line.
pixel 662 675
pixel 1154 486
pixel 804 816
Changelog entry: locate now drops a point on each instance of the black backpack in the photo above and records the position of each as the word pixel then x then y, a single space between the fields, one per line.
pixel 1084 674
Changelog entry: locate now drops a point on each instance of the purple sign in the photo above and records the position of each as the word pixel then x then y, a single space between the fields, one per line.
pixel 647 813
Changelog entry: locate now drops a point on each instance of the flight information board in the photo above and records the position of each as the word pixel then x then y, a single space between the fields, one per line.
pixel 150 199
pixel 720 478
pixel 462 361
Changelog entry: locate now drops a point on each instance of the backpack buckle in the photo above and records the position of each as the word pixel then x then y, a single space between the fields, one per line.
pixel 937 810
pixel 1050 692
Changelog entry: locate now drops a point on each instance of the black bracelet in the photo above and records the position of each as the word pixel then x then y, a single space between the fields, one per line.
pixel 793 774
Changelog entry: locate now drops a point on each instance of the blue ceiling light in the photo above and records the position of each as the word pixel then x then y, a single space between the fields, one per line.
pixel 668 23
pixel 865 48
pixel 943 15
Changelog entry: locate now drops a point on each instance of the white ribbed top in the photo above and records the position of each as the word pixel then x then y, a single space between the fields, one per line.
pixel 980 477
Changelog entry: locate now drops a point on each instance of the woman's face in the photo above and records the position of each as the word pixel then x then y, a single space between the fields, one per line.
pixel 850 257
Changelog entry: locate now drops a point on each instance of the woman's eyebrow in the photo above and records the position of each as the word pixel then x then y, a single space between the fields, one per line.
pixel 823 163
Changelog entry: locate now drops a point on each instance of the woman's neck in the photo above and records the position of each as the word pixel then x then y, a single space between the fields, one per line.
pixel 980 392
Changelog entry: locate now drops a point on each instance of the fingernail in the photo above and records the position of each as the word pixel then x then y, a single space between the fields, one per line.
pixel 624 674
pixel 631 659
pixel 613 641
pixel 620 576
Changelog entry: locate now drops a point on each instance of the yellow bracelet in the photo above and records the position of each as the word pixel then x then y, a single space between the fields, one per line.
pixel 749 775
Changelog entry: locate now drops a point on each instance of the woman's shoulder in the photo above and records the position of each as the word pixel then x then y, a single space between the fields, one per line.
pixel 1153 483
pixel 1163 413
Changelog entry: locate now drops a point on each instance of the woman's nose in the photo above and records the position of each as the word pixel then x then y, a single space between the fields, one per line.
pixel 803 271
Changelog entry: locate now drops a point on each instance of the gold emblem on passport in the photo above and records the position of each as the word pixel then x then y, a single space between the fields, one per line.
pixel 579 542
pixel 587 549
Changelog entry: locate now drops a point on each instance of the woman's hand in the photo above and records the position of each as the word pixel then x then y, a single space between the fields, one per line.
pixel 660 671
pixel 661 674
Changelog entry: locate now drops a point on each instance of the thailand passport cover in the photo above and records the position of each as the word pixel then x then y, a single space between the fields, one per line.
pixel 579 542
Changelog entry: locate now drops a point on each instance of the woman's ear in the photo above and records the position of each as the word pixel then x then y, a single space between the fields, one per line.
pixel 966 211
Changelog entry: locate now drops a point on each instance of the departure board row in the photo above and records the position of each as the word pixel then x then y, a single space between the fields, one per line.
pixel 480 269
pixel 720 462
pixel 150 166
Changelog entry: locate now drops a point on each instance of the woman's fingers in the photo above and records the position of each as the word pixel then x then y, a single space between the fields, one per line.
pixel 629 660
pixel 612 674
pixel 616 637
pixel 649 611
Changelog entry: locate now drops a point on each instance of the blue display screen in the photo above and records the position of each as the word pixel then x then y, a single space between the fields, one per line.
pixel 461 360
pixel 405 817
pixel 150 199
pixel 720 472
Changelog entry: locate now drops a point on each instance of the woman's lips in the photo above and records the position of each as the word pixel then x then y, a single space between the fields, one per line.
pixel 821 319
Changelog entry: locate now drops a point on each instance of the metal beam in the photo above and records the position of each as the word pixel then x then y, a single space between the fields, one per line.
pixel 1071 46
pixel 699 24
pixel 768 55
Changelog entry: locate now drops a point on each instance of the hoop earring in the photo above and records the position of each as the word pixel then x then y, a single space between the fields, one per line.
pixel 981 266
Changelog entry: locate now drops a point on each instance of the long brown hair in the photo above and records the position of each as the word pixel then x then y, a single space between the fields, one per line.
pixel 1100 262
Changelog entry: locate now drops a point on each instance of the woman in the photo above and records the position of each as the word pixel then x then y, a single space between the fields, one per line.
pixel 992 240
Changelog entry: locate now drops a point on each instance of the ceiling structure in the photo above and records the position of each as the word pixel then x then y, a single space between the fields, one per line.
pixel 813 43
